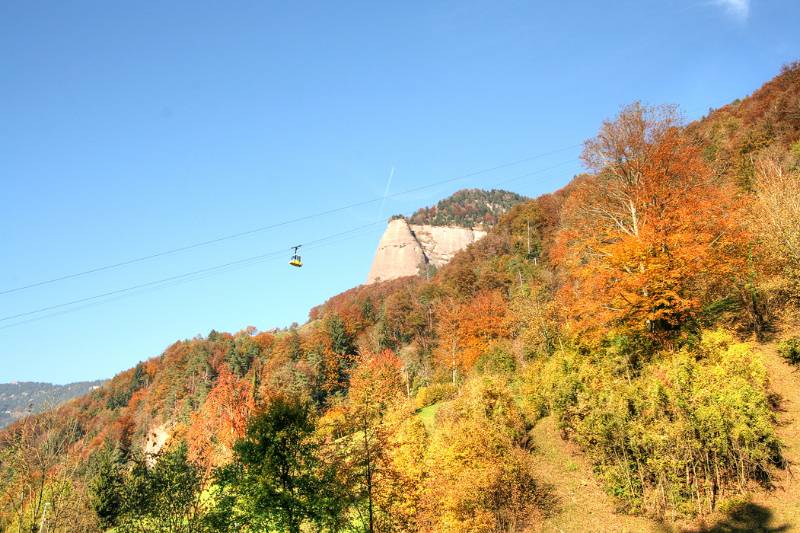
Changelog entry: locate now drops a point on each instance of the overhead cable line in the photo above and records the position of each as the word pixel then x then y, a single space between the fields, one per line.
pixel 533 173
pixel 161 281
pixel 214 270
pixel 282 223
pixel 165 285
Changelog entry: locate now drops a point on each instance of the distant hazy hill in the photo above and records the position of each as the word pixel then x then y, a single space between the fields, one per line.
pixel 16 399
pixel 468 208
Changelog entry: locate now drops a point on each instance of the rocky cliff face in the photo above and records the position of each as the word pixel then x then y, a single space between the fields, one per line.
pixel 441 243
pixel 404 248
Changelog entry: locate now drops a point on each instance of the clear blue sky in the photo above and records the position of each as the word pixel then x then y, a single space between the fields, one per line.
pixel 128 128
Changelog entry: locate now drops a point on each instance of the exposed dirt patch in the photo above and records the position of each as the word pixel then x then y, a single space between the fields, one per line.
pixel 784 500
pixel 156 439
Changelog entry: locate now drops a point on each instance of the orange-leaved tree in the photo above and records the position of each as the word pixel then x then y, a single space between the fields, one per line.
pixel 652 234
pixel 222 420
pixel 467 329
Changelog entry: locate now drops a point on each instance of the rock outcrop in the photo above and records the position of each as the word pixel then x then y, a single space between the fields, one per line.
pixel 404 249
pixel 157 437
pixel 441 243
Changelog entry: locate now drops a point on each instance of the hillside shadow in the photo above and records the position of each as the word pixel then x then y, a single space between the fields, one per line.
pixel 748 517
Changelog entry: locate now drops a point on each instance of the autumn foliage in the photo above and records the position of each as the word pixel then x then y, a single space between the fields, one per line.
pixel 652 235
pixel 222 419
pixel 611 306
pixel 467 329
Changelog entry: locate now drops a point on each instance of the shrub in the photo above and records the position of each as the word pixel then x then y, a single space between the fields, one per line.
pixel 481 475
pixel 691 428
pixel 789 349
pixel 434 393
pixel 498 359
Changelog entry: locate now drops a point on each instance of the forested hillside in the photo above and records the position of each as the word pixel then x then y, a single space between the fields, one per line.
pixel 415 405
pixel 468 208
pixel 734 136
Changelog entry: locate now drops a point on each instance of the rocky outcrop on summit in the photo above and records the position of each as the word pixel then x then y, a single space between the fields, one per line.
pixel 441 243
pixel 399 253
pixel 405 248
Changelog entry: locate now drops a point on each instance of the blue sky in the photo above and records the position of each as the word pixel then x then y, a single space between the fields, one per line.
pixel 129 128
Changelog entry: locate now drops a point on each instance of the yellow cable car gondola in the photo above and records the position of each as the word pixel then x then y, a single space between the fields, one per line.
pixel 296 261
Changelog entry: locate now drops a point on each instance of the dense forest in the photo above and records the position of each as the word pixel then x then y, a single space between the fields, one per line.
pixel 412 405
pixel 468 208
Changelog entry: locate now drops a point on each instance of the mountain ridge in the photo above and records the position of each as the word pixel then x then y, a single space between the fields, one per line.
pixel 409 249
pixel 19 398
pixel 468 208
pixel 431 236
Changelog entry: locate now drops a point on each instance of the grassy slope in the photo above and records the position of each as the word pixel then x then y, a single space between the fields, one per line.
pixel 580 503
pixel 784 501
pixel 427 415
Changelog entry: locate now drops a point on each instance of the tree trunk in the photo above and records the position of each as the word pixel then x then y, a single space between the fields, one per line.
pixel 369 475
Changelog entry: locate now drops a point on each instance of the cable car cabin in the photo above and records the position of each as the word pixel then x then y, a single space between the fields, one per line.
pixel 295 261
